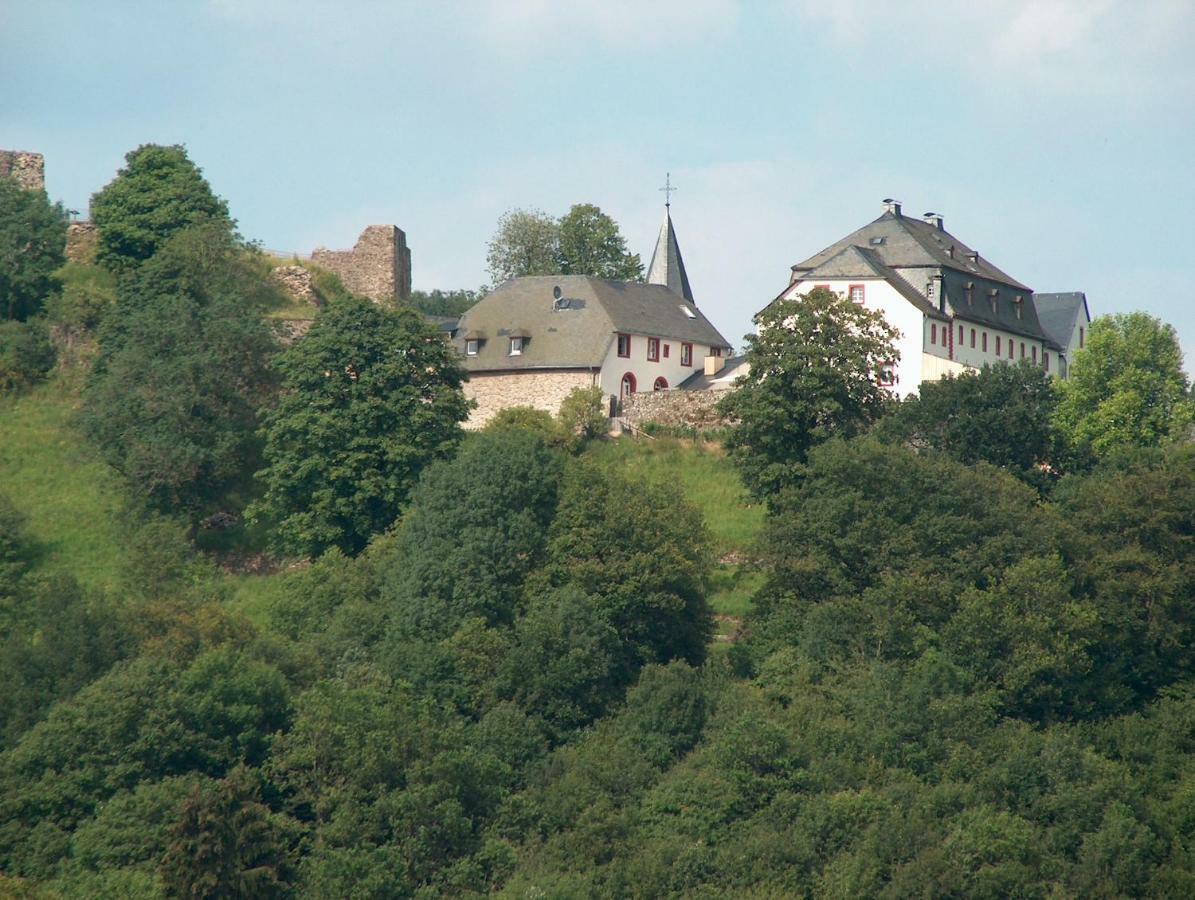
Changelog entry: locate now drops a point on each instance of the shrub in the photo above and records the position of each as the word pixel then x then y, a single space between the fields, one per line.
pixel 26 355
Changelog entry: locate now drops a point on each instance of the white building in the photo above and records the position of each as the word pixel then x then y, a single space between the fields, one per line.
pixel 953 308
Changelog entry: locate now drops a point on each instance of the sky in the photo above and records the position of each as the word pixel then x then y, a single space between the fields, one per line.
pixel 1057 137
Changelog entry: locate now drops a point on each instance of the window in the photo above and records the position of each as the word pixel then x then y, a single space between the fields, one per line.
pixel 997 345
pixel 855 292
pixel 667 348
pixel 972 338
pixel 624 345
pixel 985 342
pixel 471 346
pixel 627 386
pixel 1011 347
pixel 516 346
pixel 1045 358
pixel 688 312
pixel 715 351
pixel 653 349
pixel 661 384
pixel 945 335
pixel 933 332
pixel 686 354
pixel 1022 349
pixel 886 377
pixel 1035 354
pixel 1080 337
pixel 960 335
pixel 1017 302
pixel 969 292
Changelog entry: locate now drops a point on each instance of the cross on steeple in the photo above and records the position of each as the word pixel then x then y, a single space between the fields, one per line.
pixel 668 189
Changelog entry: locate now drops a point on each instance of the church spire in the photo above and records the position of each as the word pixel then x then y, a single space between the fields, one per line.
pixel 667 267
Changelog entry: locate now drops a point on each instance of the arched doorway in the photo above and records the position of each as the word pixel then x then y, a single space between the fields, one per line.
pixel 661 384
pixel 626 386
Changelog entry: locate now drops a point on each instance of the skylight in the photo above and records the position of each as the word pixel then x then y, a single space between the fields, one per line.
pixel 688 312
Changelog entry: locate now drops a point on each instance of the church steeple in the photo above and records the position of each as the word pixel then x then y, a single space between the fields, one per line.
pixel 667 267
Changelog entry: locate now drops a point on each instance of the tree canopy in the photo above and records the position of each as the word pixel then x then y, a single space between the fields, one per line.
pixel 1126 387
pixel 814 373
pixel 32 244
pixel 584 241
pixel 158 193
pixel 370 397
pixel 183 369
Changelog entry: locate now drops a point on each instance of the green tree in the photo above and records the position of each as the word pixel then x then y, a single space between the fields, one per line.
pixel 26 354
pixel 1001 415
pixel 641 553
pixel 815 365
pixel 370 397
pixel 592 244
pixel 183 368
pixel 527 242
pixel 583 414
pixel 158 193
pixel 445 303
pixel 1126 387
pixel 32 247
pixel 226 843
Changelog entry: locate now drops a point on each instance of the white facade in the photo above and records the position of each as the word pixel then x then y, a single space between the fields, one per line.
pixel 644 370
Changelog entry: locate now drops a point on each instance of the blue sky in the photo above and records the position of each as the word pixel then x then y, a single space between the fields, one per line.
pixel 1057 137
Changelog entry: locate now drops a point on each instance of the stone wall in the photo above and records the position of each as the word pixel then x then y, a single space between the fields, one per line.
pixel 296 281
pixel 541 389
pixel 26 169
pixel 378 267
pixel 691 409
pixel 82 238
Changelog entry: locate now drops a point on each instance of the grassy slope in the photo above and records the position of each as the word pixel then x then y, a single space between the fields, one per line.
pixel 711 484
pixel 71 499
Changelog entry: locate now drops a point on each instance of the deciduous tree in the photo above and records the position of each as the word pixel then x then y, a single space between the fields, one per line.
pixel 592 244
pixel 32 243
pixel 527 242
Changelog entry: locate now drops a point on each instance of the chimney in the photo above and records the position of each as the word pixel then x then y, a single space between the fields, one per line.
pixel 932 218
pixel 892 206
pixel 713 365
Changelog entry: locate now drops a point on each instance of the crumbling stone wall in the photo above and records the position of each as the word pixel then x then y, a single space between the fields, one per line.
pixel 496 391
pixel 296 281
pixel 26 169
pixel 82 238
pixel 689 409
pixel 378 267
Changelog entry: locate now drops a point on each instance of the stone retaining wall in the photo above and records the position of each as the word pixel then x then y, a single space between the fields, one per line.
pixel 690 409
pixel 499 390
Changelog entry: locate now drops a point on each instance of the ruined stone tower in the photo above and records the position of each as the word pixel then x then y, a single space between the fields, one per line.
pixel 378 267
pixel 26 169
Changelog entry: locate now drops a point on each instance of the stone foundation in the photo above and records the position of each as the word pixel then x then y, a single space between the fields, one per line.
pixel 378 266
pixel 496 391
pixel 688 409
pixel 26 169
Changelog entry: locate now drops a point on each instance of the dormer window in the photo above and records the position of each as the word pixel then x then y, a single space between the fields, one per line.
pixel 688 312
pixel 969 292
pixel 471 346
pixel 1018 303
pixel 516 346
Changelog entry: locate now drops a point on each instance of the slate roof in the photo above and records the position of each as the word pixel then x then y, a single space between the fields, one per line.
pixel 902 242
pixel 1059 314
pixel 699 381
pixel 864 263
pixel 667 267
pixel 576 330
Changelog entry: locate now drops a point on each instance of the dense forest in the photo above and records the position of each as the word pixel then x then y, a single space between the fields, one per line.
pixel 340 648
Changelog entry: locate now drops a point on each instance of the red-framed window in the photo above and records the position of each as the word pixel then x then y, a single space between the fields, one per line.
pixel 972 338
pixel 661 384
pixel 821 287
pixel 933 333
pixel 985 342
pixel 653 349
pixel 1011 347
pixel 1045 358
pixel 945 335
pixel 997 345
pixel 886 376
pixel 855 292
pixel 1035 354
pixel 1080 337
pixel 624 346
pixel 960 335
pixel 667 349
pixel 686 354
pixel 1022 349
pixel 626 387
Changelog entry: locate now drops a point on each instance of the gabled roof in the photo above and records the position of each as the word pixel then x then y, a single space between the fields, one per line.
pixel 864 263
pixel 576 330
pixel 1059 314
pixel 667 267
pixel 901 242
pixel 734 368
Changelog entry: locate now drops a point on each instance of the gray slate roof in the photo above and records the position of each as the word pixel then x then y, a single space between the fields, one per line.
pixel 575 331
pixel 902 242
pixel 667 267
pixel 1060 313
pixel 863 263
pixel 699 381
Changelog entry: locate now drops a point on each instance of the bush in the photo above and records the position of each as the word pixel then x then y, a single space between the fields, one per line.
pixel 26 355
pixel 582 414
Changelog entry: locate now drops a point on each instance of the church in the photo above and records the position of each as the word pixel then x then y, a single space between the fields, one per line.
pixel 532 340
pixel 954 309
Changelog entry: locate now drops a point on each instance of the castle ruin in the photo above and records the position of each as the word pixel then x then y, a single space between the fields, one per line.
pixel 378 267
pixel 26 169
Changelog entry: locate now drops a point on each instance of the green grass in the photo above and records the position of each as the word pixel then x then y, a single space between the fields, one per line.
pixel 703 473
pixel 297 310
pixel 70 497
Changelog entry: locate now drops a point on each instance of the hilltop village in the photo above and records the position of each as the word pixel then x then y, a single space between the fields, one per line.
pixel 314 584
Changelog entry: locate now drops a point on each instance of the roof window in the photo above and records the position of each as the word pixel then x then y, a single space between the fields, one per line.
pixel 688 312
